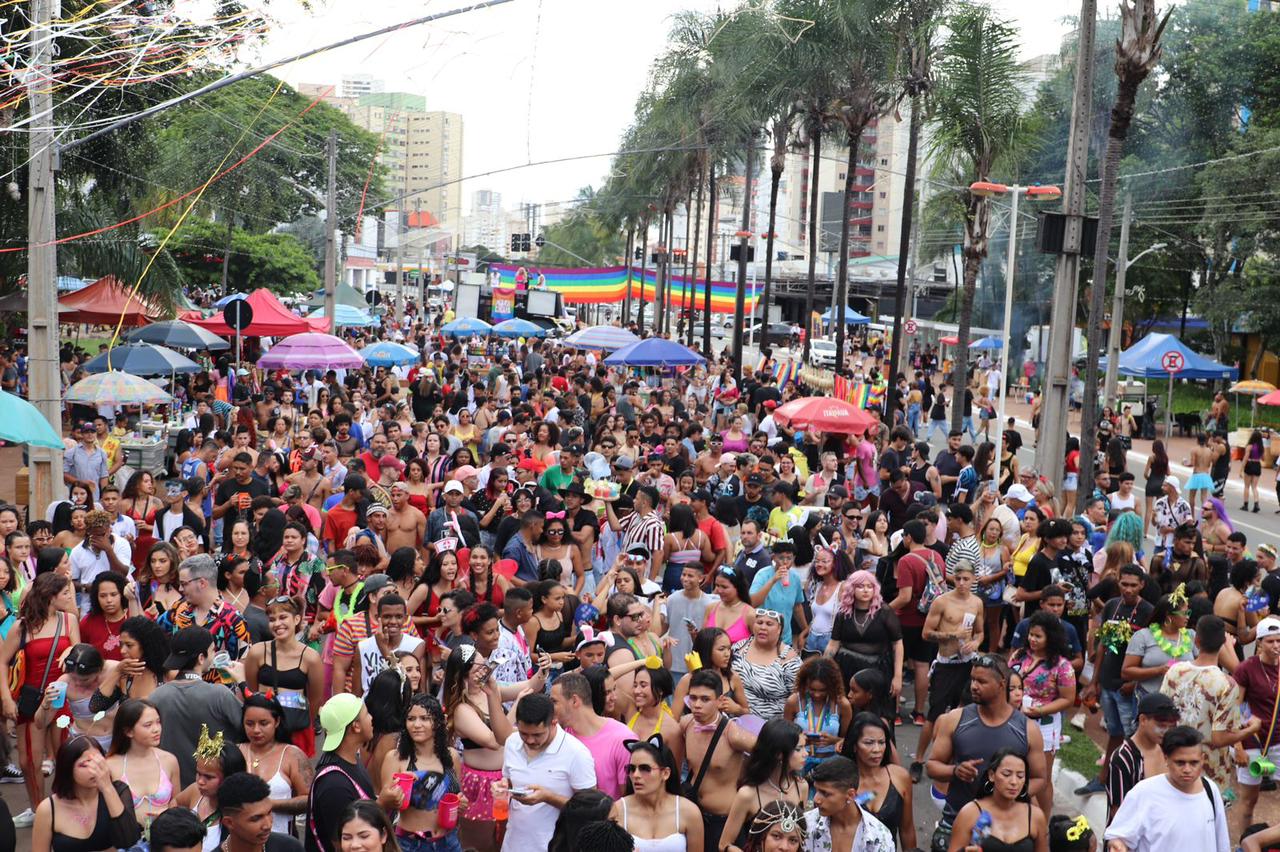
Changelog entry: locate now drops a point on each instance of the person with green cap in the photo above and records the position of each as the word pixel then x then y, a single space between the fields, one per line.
pixel 341 777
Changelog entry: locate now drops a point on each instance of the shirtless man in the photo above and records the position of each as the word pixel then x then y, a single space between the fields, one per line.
pixel 712 790
pixel 239 444
pixel 955 623
pixel 707 463
pixel 1200 482
pixel 315 486
pixel 406 526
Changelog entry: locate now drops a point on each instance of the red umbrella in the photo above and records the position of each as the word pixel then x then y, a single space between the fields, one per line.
pixel 1272 398
pixel 824 414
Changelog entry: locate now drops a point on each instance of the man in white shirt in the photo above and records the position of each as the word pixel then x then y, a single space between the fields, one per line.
pixel 1180 809
pixel 838 823
pixel 99 552
pixel 544 767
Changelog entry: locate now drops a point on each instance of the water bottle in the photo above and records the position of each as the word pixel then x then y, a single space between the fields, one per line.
pixel 981 829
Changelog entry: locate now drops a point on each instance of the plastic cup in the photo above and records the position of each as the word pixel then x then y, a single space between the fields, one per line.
pixel 501 801
pixel 60 698
pixel 405 781
pixel 447 812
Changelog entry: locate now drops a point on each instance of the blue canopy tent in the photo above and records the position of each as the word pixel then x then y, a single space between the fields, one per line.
pixel 851 317
pixel 655 352
pixel 1145 360
pixel 519 328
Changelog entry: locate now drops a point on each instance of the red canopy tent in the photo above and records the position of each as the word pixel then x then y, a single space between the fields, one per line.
pixel 270 319
pixel 103 302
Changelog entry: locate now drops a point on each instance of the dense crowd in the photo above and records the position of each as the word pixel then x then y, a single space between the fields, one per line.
pixel 511 597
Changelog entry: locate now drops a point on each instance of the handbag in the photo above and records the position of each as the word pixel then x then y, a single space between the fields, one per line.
pixel 297 716
pixel 29 698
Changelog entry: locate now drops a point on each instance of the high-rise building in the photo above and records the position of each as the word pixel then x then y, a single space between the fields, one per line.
pixel 358 85
pixel 485 224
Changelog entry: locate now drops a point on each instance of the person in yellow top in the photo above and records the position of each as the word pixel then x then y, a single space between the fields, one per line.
pixel 786 514
pixel 1029 543
pixel 652 689
pixel 109 443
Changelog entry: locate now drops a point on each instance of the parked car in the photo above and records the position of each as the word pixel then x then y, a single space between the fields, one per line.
pixel 822 353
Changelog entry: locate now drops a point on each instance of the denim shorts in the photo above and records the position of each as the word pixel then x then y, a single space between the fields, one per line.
pixel 1120 712
pixel 411 843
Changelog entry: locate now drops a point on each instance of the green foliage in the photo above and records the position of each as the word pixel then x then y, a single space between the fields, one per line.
pixel 278 261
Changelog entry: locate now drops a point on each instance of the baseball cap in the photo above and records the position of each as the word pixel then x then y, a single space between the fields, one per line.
pixel 1269 626
pixel 624 463
pixel 638 549
pixel 464 471
pixel 375 508
pixel 292 491
pixel 186 646
pixel 391 461
pixel 1157 704
pixel 755 479
pixel 701 495
pixel 454 485
pixel 336 714
pixel 1018 491
pixel 837 491
pixel 770 404
pixel 499 449
pixel 1173 482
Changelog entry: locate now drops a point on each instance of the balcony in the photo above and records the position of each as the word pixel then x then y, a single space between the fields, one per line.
pixel 864 171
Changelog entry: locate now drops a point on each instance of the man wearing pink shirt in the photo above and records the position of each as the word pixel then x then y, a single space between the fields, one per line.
pixel 605 738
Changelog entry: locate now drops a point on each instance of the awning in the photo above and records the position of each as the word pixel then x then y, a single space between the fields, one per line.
pixel 104 302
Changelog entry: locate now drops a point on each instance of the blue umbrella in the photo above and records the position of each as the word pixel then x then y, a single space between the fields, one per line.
pixel 655 352
pixel 22 423
pixel 519 328
pixel 143 359
pixel 466 327
pixel 385 353
pixel 986 343
pixel 345 315
pixel 222 303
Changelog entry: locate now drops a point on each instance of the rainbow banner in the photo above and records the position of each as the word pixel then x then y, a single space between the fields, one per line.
pixel 860 394
pixel 607 285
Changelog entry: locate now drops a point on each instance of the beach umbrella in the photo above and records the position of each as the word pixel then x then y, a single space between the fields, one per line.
pixel 1254 388
pixel 222 303
pixel 1272 398
pixel 608 337
pixel 116 388
pixel 311 350
pixel 986 343
pixel 385 353
pixel 519 328
pixel 655 352
pixel 143 359
pixel 22 423
pixel 466 327
pixel 825 414
pixel 345 316
pixel 178 335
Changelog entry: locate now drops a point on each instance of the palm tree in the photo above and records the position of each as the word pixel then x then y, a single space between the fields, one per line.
pixel 977 124
pixel 1137 52
pixel 863 93
pixel 918 22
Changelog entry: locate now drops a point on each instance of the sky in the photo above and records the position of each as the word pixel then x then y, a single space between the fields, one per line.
pixel 534 80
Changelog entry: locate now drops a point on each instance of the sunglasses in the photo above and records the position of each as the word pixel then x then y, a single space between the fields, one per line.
pixel 555 532
pixel 641 768
pixel 769 613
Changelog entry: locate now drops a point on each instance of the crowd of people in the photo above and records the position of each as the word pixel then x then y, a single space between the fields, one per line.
pixel 522 600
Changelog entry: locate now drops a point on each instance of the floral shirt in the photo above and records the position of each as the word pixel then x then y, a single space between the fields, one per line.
pixel 872 835
pixel 1208 699
pixel 230 633
pixel 1041 682
pixel 296 578
pixel 1170 515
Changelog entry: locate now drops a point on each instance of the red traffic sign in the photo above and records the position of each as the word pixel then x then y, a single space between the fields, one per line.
pixel 1172 361
pixel 910 326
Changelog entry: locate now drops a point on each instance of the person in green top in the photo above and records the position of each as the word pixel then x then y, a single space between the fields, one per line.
pixel 560 476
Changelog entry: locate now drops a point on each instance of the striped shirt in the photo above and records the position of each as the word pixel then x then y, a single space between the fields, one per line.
pixel 1124 770
pixel 648 530
pixel 961 549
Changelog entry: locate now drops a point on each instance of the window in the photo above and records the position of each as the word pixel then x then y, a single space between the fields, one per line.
pixel 884 161
pixel 883 194
pixel 880 228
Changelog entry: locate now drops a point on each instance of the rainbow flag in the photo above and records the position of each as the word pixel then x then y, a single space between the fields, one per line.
pixel 608 285
pixel 723 293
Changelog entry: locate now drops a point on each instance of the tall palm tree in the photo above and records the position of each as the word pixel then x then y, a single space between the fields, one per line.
pixel 977 124
pixel 1137 52
pixel 864 92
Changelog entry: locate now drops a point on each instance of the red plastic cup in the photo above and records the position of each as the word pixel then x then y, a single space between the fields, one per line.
pixel 405 780
pixel 447 813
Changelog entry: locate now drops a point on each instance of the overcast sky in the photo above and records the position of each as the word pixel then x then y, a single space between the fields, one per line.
pixel 534 80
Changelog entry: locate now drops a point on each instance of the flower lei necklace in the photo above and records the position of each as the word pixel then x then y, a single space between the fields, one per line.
pixel 1172 650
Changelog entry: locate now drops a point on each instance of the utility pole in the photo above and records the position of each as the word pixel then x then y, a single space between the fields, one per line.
pixel 1051 440
pixel 42 261
pixel 331 236
pixel 1117 303
pixel 739 291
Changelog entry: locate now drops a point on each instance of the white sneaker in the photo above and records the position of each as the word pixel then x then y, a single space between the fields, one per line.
pixel 1077 721
pixel 47 768
pixel 24 819
pixel 1066 738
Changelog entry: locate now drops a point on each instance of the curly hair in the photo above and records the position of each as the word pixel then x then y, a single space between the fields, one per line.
pixel 35 607
pixel 153 640
pixel 439 733
pixel 823 670
pixel 846 593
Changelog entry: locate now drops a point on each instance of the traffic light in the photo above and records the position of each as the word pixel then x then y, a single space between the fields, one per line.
pixel 515 243
pixel 526 243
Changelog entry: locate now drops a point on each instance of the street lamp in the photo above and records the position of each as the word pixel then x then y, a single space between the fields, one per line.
pixel 1117 310
pixel 987 189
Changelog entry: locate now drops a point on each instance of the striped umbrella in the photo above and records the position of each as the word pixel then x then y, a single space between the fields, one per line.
pixel 1252 387
pixel 608 337
pixel 116 388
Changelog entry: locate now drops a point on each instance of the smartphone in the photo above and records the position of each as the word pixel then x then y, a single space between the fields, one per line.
pixel 809 735
pixel 690 622
pixel 521 791
pixel 993 486
pixel 488 672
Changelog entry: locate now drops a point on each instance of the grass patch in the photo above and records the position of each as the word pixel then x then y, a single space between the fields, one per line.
pixel 1196 396
pixel 1081 754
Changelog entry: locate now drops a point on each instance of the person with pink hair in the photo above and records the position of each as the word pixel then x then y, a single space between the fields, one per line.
pixel 866 633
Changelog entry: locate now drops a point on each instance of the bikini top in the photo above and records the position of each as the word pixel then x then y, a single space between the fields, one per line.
pixel 164 788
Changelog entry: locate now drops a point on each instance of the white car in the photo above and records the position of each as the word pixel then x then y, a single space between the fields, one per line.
pixel 822 353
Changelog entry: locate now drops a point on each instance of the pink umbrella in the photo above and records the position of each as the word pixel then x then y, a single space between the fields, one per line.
pixel 311 351
pixel 824 414
pixel 1272 398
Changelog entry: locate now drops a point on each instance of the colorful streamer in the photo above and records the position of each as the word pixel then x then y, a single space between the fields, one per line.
pixel 608 285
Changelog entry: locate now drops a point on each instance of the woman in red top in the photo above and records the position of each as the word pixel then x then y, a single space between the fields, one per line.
pixel 138 500
pixel 108 609
pixel 440 577
pixel 416 476
pixel 46 612
pixel 482 581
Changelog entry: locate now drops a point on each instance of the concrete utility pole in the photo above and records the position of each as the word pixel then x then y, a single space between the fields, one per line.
pixel 1052 437
pixel 739 286
pixel 1117 303
pixel 42 262
pixel 331 236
